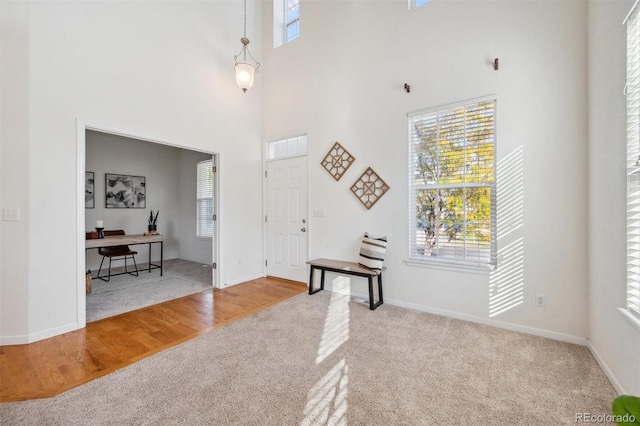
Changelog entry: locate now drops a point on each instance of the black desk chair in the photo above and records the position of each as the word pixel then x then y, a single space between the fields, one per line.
pixel 116 253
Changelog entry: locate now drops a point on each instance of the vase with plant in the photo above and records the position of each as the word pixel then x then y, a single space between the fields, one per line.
pixel 153 221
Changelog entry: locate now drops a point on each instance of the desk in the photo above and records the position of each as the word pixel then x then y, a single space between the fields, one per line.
pixel 129 240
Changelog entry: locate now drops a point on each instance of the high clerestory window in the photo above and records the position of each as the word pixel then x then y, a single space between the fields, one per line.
pixel 452 195
pixel 286 21
pixel 417 3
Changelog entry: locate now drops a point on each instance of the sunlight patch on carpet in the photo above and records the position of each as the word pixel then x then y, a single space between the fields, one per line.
pixel 336 325
pixel 327 399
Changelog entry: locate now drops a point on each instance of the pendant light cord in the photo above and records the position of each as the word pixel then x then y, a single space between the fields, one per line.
pixel 245 18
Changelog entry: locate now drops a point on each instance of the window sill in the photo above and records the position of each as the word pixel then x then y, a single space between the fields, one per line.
pixel 631 319
pixel 452 266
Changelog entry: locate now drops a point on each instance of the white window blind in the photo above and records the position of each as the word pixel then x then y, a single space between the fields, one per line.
pixel 632 90
pixel 452 184
pixel 204 197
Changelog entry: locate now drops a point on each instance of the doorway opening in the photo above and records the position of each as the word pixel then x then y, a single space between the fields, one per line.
pixel 167 176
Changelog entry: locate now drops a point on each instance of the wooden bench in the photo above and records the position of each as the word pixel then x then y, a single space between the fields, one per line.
pixel 349 268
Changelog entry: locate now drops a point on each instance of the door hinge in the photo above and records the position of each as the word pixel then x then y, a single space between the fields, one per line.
pixel 265 262
pixel 265 173
pixel 214 217
pixel 265 217
pixel 214 169
pixel 214 266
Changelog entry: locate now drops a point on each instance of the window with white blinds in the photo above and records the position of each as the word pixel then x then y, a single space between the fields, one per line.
pixel 204 197
pixel 452 184
pixel 632 90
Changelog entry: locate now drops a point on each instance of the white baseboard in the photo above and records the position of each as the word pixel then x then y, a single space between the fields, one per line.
pixel 242 280
pixel 480 320
pixel 14 340
pixel 607 371
pixel 40 335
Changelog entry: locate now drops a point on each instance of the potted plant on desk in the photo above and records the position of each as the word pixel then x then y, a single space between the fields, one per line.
pixel 153 221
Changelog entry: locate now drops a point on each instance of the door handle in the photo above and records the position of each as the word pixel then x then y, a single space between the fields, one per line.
pixel 303 229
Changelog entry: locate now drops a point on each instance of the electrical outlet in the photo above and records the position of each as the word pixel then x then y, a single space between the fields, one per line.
pixel 11 214
pixel 540 302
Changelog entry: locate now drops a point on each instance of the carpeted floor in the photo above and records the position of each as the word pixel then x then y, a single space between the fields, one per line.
pixel 124 293
pixel 325 359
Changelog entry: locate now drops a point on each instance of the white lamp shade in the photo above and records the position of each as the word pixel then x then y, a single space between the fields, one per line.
pixel 245 75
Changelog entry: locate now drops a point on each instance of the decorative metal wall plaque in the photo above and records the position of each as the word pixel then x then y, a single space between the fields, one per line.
pixel 369 188
pixel 337 161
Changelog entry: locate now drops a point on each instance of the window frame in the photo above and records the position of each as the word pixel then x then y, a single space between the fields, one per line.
pixel 413 4
pixel 288 23
pixel 632 92
pixel 459 263
pixel 200 219
pixel 295 145
pixel 281 23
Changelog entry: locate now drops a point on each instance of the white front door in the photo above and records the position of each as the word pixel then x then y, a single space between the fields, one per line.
pixel 287 224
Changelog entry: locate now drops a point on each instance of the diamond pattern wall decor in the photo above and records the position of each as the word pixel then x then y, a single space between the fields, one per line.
pixel 369 188
pixel 337 161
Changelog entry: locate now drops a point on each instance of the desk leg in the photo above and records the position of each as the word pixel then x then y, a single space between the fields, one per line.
pixel 162 257
pixel 149 257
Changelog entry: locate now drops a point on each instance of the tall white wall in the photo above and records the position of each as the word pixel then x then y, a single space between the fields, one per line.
pixel 14 168
pixel 342 80
pixel 161 69
pixel 612 337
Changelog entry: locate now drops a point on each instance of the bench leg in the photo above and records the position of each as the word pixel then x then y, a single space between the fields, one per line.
pixel 311 276
pixel 372 303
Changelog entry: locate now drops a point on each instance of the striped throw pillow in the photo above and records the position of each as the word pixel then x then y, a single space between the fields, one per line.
pixel 372 252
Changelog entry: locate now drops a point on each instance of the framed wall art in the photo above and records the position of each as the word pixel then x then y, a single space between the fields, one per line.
pixel 337 161
pixel 89 190
pixel 125 191
pixel 369 188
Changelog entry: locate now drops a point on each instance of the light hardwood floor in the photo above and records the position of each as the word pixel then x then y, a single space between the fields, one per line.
pixel 49 367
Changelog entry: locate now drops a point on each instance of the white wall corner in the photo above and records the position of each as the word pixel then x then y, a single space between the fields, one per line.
pixel 607 371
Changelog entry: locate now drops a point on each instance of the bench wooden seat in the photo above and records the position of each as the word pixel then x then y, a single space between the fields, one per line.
pixel 349 268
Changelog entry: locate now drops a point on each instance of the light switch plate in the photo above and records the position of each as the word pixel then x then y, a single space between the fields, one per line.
pixel 11 214
pixel 318 213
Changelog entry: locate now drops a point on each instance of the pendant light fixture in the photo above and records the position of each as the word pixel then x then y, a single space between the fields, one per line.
pixel 245 69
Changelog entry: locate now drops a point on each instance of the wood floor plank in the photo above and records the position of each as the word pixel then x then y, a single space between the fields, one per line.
pixel 51 366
